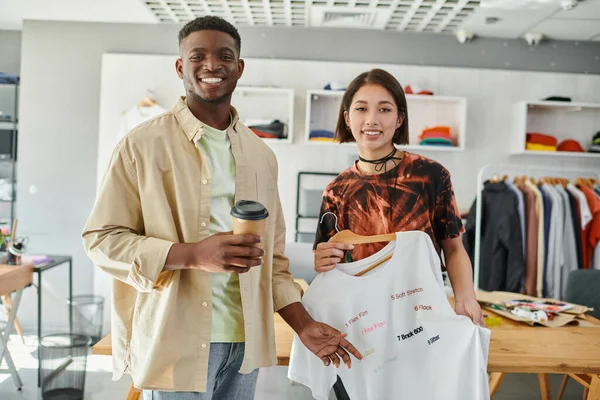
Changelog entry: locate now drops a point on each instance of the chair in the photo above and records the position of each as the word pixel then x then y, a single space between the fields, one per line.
pixel 582 288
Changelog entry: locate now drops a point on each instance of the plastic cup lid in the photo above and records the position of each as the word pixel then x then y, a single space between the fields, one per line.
pixel 249 210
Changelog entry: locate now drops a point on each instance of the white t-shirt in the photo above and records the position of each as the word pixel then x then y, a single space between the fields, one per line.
pixel 398 316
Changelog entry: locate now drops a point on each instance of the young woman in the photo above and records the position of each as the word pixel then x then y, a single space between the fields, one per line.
pixel 388 190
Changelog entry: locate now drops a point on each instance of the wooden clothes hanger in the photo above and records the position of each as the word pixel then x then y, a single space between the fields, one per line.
pixel 147 102
pixel 348 237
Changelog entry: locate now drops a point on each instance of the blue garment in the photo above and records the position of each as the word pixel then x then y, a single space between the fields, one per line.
pixel 321 133
pixel 597 190
pixel 9 78
pixel 224 381
pixel 521 209
pixel 547 218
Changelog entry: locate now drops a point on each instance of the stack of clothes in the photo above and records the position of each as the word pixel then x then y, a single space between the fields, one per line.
pixel 436 136
pixel 540 142
pixel 268 129
pixel 414 89
pixel 321 135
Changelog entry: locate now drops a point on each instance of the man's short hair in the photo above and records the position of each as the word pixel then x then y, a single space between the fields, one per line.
pixel 211 23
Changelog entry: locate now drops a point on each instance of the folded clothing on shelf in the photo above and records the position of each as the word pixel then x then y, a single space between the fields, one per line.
pixel 570 145
pixel 540 142
pixel 9 78
pixel 321 139
pixel 539 147
pixel 321 134
pixel 595 148
pixel 414 89
pixel 437 135
pixel 557 98
pixel 334 86
pixel 272 129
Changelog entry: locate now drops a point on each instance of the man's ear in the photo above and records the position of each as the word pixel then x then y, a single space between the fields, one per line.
pixel 241 66
pixel 179 68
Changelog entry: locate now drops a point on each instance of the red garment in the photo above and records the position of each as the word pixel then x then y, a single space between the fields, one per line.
pixel 540 138
pixel 591 233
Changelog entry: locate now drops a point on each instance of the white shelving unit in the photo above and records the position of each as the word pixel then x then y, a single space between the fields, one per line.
pixel 563 120
pixel 266 103
pixel 322 107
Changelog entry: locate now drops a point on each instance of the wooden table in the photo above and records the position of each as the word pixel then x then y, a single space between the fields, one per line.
pixel 13 278
pixel 514 348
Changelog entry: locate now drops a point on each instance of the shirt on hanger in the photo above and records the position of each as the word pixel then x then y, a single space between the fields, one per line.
pixel 399 318
pixel 591 233
pixel 532 227
pixel 575 216
pixel 540 255
pixel 584 209
pixel 548 258
pixel 521 209
pixel 571 262
pixel 502 266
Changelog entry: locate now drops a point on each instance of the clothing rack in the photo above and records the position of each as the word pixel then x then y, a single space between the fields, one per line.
pixel 489 170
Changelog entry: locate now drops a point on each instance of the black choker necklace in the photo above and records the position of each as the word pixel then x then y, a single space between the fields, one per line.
pixel 381 163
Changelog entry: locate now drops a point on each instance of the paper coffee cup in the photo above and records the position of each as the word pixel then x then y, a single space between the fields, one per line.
pixel 249 217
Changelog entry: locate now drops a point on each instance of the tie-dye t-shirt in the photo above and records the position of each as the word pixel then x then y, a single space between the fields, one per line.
pixel 415 195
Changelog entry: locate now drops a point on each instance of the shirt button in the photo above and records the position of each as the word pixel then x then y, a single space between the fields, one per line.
pixel 204 181
pixel 203 345
pixel 204 304
pixel 203 224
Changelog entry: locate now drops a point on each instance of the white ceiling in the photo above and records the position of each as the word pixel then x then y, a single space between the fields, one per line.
pixel 516 17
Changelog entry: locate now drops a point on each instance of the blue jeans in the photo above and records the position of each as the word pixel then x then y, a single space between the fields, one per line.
pixel 224 382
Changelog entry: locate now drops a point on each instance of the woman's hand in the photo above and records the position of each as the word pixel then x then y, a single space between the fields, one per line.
pixel 470 308
pixel 329 254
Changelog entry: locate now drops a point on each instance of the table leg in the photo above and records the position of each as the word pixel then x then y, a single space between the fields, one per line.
pixel 544 386
pixel 4 336
pixel 594 392
pixel 495 381
pixel 39 353
pixel 70 297
pixel 133 394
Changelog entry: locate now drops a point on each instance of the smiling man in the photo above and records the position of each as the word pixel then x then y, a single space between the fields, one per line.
pixel 193 303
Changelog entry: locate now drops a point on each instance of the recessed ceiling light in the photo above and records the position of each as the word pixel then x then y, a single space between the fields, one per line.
pixel 491 20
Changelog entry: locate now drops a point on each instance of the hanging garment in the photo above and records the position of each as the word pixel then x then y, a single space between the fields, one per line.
pixel 398 317
pixel 591 233
pixel 571 263
pixel 532 240
pixel 548 258
pixel 540 239
pixel 575 217
pixel 502 266
pixel 555 242
pixel 521 209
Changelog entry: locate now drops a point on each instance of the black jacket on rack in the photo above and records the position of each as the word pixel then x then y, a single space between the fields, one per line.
pixel 501 263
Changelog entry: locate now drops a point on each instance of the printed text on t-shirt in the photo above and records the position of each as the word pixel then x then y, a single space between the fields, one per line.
pixel 375 326
pixel 397 296
pixel 355 319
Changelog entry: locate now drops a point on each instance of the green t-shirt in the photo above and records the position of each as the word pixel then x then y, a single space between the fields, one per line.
pixel 227 316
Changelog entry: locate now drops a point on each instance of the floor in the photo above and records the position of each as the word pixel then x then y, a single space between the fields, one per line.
pixel 272 382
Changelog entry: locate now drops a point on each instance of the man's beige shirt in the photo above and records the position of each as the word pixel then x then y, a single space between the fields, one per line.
pixel 156 192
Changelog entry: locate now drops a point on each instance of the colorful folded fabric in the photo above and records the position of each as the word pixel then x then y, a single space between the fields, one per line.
pixel 321 133
pixel 265 135
pixel 321 139
pixel 436 142
pixel 541 138
pixel 570 145
pixel 539 147
pixel 413 89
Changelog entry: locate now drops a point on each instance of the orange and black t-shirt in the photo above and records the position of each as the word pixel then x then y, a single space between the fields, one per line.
pixel 417 194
